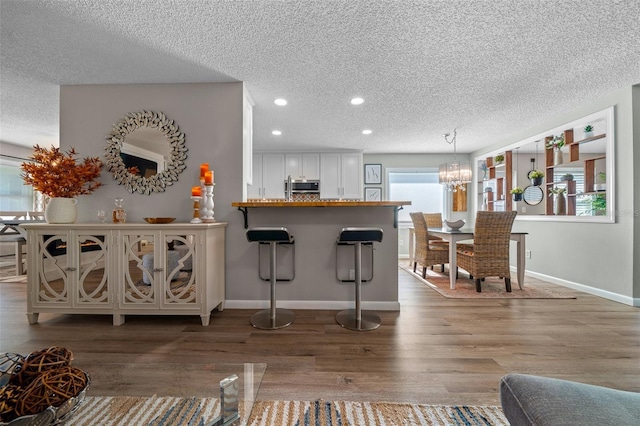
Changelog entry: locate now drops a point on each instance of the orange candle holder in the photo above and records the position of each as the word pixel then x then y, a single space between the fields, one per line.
pixel 204 167
pixel 208 177
pixel 196 209
pixel 207 208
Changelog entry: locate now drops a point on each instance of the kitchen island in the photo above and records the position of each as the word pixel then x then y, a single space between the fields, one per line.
pixel 322 273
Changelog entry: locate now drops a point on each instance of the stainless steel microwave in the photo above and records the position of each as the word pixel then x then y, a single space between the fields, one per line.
pixel 303 187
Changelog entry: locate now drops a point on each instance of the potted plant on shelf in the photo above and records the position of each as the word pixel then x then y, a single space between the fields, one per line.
pixel 567 176
pixel 517 193
pixel 556 144
pixel 483 168
pixel 59 177
pixel 536 177
pixel 588 131
pixel 601 182
pixel 560 200
pixel 499 159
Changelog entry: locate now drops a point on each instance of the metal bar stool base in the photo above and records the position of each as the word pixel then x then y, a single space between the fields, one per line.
pixel 263 321
pixel 347 319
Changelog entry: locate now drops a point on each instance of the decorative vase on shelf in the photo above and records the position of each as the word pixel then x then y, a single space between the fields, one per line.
pixel 557 157
pixel 61 210
pixel 561 204
pixel 588 135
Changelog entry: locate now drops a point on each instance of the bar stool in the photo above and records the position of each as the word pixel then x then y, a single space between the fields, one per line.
pixel 272 318
pixel 355 319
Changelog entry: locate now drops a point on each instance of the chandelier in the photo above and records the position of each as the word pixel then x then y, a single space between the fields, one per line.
pixel 454 175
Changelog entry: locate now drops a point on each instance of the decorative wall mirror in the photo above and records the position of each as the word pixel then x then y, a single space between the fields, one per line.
pixel 533 195
pixel 145 151
pixel 575 169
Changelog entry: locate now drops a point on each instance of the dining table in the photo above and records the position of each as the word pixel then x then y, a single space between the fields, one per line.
pixel 453 236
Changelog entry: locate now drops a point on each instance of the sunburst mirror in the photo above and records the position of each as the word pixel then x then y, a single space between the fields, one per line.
pixel 145 152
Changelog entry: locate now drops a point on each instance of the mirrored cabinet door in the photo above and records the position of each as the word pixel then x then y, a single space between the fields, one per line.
pixel 54 269
pixel 179 287
pixel 137 255
pixel 160 269
pixel 90 254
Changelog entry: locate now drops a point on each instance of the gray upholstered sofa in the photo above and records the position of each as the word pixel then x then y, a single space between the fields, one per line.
pixel 542 401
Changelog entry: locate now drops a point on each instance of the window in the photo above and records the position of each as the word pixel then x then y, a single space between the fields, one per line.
pixel 14 194
pixel 583 203
pixel 421 187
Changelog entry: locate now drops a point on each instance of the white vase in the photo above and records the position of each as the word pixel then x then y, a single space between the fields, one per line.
pixel 557 157
pixel 588 135
pixel 60 210
pixel 561 205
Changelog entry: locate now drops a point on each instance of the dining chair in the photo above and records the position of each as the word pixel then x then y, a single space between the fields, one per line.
pixel 434 220
pixel 488 256
pixel 14 238
pixel 426 254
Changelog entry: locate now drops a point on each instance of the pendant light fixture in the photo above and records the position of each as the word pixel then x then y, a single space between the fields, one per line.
pixel 456 174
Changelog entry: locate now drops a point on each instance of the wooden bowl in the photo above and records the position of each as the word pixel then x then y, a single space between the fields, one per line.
pixel 159 219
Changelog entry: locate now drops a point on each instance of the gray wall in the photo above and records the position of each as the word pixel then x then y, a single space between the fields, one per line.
pixel 210 115
pixel 599 258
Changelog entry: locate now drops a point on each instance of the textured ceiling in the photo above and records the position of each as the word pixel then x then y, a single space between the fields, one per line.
pixel 485 67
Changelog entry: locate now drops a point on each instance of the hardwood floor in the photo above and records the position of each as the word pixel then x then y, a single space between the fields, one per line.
pixel 434 351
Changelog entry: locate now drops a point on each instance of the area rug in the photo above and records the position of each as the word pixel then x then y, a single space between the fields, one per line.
pixel 165 411
pixel 492 287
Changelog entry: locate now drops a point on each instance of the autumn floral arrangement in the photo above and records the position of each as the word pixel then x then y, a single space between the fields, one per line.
pixel 58 174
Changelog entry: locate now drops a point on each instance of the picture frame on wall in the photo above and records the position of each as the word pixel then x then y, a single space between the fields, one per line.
pixel 373 194
pixel 373 174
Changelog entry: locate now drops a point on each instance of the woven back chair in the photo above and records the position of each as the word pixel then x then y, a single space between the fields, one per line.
pixel 434 220
pixel 426 254
pixel 488 256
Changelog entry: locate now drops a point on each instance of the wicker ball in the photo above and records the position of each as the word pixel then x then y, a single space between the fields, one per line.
pixel 51 388
pixel 10 364
pixel 40 361
pixel 9 396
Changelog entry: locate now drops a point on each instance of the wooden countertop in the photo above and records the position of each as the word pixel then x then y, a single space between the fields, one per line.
pixel 282 203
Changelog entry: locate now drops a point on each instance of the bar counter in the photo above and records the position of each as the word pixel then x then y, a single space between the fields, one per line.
pixel 323 269
pixel 244 205
pixel 320 203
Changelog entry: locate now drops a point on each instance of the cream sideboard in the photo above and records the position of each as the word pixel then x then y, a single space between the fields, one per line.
pixel 125 269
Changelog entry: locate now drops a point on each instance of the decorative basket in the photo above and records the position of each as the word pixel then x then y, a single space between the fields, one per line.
pixel 40 389
pixel 454 225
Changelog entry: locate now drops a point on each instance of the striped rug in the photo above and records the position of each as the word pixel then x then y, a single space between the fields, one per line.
pixel 165 411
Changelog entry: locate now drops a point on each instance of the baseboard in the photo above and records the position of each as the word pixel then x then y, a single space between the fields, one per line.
pixel 312 304
pixel 581 287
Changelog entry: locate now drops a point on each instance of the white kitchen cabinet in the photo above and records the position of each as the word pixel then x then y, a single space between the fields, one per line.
pixel 254 189
pixel 125 269
pixel 268 176
pixel 341 175
pixel 247 138
pixel 351 173
pixel 302 165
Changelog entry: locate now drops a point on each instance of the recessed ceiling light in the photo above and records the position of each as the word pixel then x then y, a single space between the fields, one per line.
pixel 276 133
pixel 366 132
pixel 280 102
pixel 357 101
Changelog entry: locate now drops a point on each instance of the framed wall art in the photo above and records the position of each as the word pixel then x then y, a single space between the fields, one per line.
pixel 373 194
pixel 372 174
